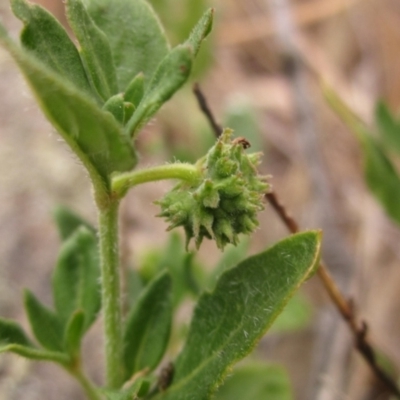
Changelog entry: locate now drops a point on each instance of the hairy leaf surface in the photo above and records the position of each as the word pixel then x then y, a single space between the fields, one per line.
pixel 256 381
pixel 171 74
pixel 95 50
pixel 94 135
pixel 228 322
pixel 135 35
pixel 47 40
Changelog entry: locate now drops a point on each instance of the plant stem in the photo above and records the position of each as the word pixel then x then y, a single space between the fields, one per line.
pixel 121 183
pixel 87 385
pixel 111 293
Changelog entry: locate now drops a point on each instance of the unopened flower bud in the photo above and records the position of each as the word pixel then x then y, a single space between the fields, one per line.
pixel 225 201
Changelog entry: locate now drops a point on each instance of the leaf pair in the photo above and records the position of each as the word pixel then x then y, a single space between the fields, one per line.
pixel 76 295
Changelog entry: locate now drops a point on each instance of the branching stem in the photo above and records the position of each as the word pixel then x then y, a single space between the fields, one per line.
pixel 122 183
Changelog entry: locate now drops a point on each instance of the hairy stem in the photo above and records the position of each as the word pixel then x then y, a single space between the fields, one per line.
pixel 122 183
pixel 111 293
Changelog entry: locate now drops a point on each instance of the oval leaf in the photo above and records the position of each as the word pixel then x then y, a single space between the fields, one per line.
pixel 148 326
pixel 256 381
pixel 44 37
pixel 95 50
pixel 228 322
pixel 45 324
pixel 12 333
pixel 94 135
pixel 135 35
pixel 76 277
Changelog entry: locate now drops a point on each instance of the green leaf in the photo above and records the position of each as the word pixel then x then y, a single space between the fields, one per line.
pixel 389 127
pixel 129 109
pixel 47 40
pixel 135 90
pixel 36 354
pixel 45 324
pixel 67 222
pixel 296 315
pixel 116 106
pixel 134 286
pixel 201 30
pixel 228 322
pixel 135 35
pixel 148 326
pixel 256 381
pixel 380 174
pixel 12 332
pixel 95 50
pixel 74 333
pixel 171 74
pixel 181 266
pixel 382 178
pixel 231 256
pixel 92 134
pixel 76 277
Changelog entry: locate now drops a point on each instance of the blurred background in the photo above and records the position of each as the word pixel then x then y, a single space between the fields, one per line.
pixel 262 71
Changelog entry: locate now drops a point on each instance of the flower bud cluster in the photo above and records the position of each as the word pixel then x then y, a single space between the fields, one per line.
pixel 224 201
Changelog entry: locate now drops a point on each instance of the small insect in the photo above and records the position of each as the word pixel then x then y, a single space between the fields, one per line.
pixel 166 376
pixel 242 141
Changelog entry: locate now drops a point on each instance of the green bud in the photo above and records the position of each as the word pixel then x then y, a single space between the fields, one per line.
pixel 225 201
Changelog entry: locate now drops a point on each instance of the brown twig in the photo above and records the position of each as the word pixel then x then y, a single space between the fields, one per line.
pixel 345 308
pixel 206 110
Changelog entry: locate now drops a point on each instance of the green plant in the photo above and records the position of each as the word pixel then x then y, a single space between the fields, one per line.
pixel 98 96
